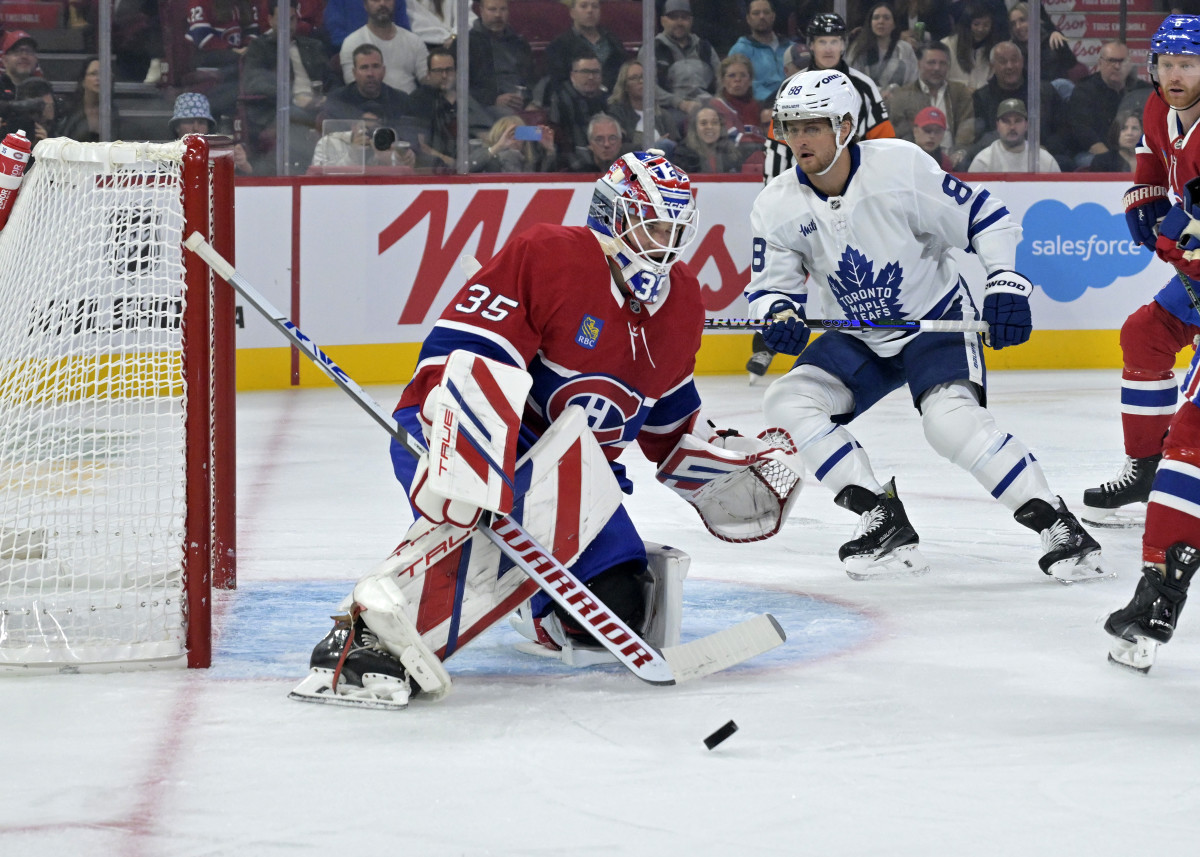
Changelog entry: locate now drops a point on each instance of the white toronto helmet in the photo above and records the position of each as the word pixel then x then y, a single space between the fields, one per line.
pixel 825 94
pixel 643 187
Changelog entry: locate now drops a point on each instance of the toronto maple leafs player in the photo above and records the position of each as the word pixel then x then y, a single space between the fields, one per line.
pixel 583 339
pixel 864 230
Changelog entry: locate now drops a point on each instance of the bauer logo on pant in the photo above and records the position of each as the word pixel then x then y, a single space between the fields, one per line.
pixel 589 331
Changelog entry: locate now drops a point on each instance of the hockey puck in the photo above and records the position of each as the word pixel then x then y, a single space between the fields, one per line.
pixel 720 735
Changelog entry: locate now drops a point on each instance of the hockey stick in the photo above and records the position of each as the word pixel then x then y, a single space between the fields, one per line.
pixel 920 324
pixel 672 665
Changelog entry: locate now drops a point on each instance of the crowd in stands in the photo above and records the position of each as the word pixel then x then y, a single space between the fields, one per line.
pixel 374 82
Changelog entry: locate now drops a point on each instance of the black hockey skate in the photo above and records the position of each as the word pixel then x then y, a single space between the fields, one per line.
pixel 1150 617
pixel 1105 506
pixel 351 667
pixel 1071 554
pixel 886 545
pixel 760 360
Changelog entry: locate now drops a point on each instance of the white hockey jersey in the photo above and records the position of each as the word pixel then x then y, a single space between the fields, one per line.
pixel 882 248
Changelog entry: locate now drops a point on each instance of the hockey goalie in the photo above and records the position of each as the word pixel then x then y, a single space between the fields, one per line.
pixel 568 346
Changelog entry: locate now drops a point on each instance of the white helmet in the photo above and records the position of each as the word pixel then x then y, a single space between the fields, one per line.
pixel 817 94
pixel 643 187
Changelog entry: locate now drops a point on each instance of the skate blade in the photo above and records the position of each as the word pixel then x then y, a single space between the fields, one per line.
pixel 1121 518
pixel 384 693
pixel 1136 654
pixel 571 656
pixel 1081 569
pixel 906 561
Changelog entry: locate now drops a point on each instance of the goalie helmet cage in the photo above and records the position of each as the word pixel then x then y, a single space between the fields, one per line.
pixel 116 407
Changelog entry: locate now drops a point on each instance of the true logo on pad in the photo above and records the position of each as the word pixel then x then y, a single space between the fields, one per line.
pixel 589 331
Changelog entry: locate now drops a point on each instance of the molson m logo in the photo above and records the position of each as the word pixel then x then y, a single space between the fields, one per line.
pixel 1066 251
pixel 481 221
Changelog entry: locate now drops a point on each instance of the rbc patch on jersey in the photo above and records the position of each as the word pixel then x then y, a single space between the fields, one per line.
pixel 589 331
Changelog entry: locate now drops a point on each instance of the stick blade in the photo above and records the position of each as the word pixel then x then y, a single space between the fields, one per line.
pixel 724 649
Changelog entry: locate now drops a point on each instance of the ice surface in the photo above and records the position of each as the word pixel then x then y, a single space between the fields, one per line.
pixel 967 712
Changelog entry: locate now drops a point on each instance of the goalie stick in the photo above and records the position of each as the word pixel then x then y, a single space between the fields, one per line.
pixel 671 665
pixel 919 324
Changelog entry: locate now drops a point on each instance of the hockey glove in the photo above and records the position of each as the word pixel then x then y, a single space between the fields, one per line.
pixel 1176 245
pixel 786 333
pixel 1006 309
pixel 1145 207
pixel 437 507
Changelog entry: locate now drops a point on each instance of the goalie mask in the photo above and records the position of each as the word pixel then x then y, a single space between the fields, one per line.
pixel 643 212
pixel 825 94
pixel 1178 35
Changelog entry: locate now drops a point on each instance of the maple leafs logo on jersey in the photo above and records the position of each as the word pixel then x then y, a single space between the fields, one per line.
pixel 860 293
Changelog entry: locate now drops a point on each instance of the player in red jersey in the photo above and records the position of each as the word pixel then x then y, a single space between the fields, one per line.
pixel 601 320
pixel 1167 480
pixel 1152 337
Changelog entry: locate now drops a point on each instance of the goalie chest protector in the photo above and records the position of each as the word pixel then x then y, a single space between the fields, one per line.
pixel 549 296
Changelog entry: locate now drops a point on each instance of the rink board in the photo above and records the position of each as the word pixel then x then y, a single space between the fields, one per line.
pixel 365 265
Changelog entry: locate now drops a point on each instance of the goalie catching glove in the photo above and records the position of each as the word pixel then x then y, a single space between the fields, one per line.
pixel 1006 309
pixel 472 420
pixel 743 488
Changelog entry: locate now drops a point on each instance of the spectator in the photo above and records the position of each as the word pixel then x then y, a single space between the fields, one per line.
pixel 996 9
pixel 404 54
pixel 37 125
pixel 193 115
pixel 1008 81
pixel 1058 60
pixel 368 92
pixel 929 132
pixel 442 18
pixel 603 146
pixel 706 148
pixel 501 152
pixel 686 66
pixel 931 89
pixel 82 121
pixel 625 105
pixel 970 47
pixel 923 21
pixel 20 62
pixel 343 17
pixel 573 104
pixel 1097 99
pixel 1007 153
pixel 764 49
pixel 880 53
pixel 435 107
pixel 137 40
pixel 359 147
pixel 221 30
pixel 735 101
pixel 312 79
pixel 501 67
pixel 585 35
pixel 1124 134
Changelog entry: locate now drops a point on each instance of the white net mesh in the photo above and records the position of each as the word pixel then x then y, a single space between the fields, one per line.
pixel 92 407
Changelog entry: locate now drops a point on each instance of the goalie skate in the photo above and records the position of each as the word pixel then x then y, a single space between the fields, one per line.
pixel 1121 503
pixel 886 544
pixel 351 667
pixel 1071 554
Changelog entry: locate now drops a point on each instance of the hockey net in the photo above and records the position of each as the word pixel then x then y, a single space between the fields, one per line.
pixel 116 449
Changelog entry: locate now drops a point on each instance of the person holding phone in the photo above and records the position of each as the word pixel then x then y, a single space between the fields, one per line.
pixel 511 146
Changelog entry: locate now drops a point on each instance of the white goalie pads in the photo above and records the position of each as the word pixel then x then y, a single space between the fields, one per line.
pixel 743 488
pixel 444 585
pixel 474 419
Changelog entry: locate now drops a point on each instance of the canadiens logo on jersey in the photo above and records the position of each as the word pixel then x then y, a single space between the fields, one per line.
pixel 589 331
pixel 862 293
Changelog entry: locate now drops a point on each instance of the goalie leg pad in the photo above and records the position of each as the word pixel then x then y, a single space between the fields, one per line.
pixel 962 431
pixel 385 609
pixel 666 569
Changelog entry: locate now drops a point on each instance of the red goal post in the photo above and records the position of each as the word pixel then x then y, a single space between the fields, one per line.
pixel 117 401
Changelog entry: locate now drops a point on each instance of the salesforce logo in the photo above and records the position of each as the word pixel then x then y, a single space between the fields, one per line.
pixel 1067 251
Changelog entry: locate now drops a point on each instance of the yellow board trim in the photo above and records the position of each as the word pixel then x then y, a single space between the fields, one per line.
pixel 720 354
